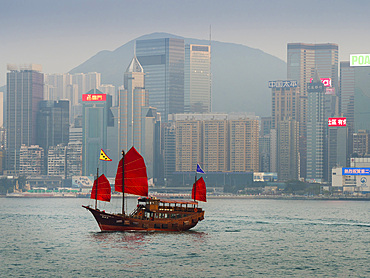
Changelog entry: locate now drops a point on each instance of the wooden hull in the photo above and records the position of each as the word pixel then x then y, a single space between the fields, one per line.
pixel 118 222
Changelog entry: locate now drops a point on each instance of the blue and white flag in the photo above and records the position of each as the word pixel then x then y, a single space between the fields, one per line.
pixel 199 170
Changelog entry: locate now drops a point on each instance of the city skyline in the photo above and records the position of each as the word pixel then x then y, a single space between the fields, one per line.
pixel 64 35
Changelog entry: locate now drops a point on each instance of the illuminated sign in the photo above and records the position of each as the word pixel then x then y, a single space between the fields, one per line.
pixel 94 97
pixel 359 60
pixel 325 81
pixel 283 84
pixel 337 122
pixel 355 171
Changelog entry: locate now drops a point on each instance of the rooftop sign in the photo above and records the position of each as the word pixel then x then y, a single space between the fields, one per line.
pixel 359 60
pixel 283 84
pixel 355 171
pixel 94 97
pixel 334 122
pixel 325 81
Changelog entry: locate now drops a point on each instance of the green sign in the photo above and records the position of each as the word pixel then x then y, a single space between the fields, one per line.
pixel 360 60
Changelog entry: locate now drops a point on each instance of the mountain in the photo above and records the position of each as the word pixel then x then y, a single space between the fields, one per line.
pixel 239 73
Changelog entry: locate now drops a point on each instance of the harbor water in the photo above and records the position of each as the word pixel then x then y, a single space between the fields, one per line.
pixel 56 237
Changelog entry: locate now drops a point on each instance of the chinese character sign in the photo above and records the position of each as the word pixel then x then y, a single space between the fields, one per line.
pixel 337 122
pixel 283 84
pixel 94 97
pixel 355 171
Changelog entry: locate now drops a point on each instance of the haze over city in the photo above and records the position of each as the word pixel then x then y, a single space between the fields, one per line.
pixel 60 35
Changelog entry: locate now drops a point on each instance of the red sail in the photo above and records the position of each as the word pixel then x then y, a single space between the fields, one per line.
pixel 200 191
pixel 104 191
pixel 136 180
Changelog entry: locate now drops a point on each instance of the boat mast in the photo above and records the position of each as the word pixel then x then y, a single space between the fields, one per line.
pixel 123 182
pixel 96 188
pixel 195 186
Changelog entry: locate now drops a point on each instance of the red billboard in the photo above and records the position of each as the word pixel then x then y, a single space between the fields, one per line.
pixel 94 97
pixel 325 81
pixel 337 122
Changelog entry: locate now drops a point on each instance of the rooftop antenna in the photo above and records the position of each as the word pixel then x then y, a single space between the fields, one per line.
pixel 135 48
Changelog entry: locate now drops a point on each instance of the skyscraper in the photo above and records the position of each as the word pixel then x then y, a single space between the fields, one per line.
pixel 303 60
pixel 24 92
pixel 315 130
pixel 285 102
pixel 96 118
pixel 163 64
pixel 197 78
pixel 337 148
pixel 52 123
pixel 131 100
pixel 362 99
pixel 288 145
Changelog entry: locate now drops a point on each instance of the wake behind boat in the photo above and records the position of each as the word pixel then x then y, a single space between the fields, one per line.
pixel 151 214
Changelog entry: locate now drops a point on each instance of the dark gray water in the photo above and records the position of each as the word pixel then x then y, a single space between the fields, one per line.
pixel 238 238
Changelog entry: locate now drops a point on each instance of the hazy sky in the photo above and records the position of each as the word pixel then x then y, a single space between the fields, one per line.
pixel 60 35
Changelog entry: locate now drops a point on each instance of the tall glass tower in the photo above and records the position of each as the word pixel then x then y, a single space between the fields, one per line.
pixel 163 64
pixel 316 123
pixel 197 78
pixel 25 87
pixel 96 116
pixel 303 60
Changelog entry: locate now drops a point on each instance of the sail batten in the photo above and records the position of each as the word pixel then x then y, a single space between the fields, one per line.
pixel 135 177
pixel 101 190
pixel 199 191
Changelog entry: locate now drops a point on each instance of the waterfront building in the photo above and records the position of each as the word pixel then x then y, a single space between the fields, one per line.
pixel 74 159
pixel 163 64
pixel 337 148
pixel 24 92
pixel 361 143
pixel 96 118
pixel 31 160
pixel 197 74
pixel 215 144
pixel 265 144
pixel 57 160
pixel 188 144
pixel 288 146
pixel 353 179
pixel 243 140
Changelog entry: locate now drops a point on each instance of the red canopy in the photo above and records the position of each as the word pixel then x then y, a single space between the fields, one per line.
pixel 136 180
pixel 199 191
pixel 104 192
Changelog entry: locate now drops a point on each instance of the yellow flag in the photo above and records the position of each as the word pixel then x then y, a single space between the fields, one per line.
pixel 103 156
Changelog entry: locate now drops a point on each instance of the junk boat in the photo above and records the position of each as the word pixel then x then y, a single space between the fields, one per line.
pixel 151 214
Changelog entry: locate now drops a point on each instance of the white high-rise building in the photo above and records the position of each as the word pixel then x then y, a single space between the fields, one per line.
pixel 197 78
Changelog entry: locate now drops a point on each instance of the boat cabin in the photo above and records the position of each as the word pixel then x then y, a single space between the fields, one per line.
pixel 153 208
